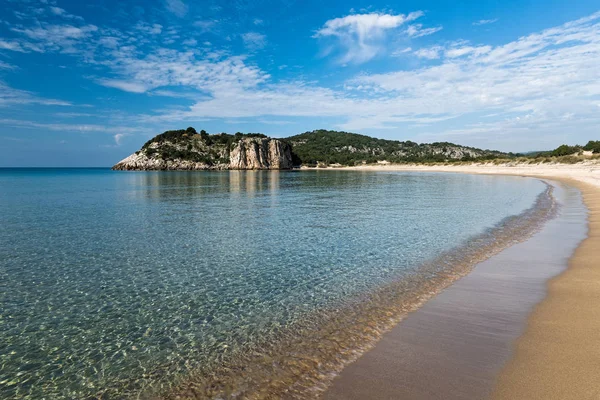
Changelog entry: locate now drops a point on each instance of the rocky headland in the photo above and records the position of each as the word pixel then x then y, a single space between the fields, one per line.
pixel 189 150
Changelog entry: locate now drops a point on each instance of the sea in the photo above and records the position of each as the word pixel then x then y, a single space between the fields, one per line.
pixel 229 284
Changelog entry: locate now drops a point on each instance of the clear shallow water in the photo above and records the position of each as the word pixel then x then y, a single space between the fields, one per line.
pixel 115 283
pixel 455 346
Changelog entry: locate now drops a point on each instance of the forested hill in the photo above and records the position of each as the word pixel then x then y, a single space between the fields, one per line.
pixel 332 147
pixel 189 150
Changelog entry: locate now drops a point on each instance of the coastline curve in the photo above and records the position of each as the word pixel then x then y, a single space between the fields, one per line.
pixel 305 360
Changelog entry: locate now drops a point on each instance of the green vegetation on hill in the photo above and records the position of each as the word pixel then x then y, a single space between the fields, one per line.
pixel 188 144
pixel 185 135
pixel 593 146
pixel 323 147
pixel 332 147
pixel 567 150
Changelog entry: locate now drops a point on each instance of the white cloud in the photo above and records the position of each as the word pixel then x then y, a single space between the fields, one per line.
pixel 361 35
pixel 400 52
pixel 545 76
pixel 254 40
pixel 109 42
pixel 206 25
pixel 73 115
pixel 11 45
pixel 127 86
pixel 416 30
pixel 258 21
pixel 430 53
pixel 58 33
pixel 4 65
pixel 57 11
pixel 72 127
pixel 119 137
pixel 11 96
pixel 485 21
pixel 60 12
pixel 177 7
pixel 150 29
pixel 455 52
pixel 168 67
pixel 62 38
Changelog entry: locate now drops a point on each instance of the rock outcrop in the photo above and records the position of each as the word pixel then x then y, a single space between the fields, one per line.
pixel 139 161
pixel 194 153
pixel 261 153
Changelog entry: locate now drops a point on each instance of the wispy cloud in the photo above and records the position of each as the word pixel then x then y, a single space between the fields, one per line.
pixel 62 38
pixel 541 77
pixel 400 52
pixel 485 21
pixel 11 96
pixel 73 115
pixel 177 7
pixel 4 65
pixel 69 127
pixel 206 25
pixel 430 53
pixel 416 30
pixel 150 29
pixel 361 35
pixel 126 86
pixel 254 40
pixel 12 45
pixel 460 51
pixel 63 13
pixel 119 138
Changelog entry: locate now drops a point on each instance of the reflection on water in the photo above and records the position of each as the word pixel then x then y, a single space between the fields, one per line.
pixel 113 284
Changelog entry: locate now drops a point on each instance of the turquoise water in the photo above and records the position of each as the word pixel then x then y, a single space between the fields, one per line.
pixel 116 283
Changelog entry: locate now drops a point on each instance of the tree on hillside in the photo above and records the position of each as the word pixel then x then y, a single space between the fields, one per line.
pixel 205 136
pixel 565 150
pixel 593 146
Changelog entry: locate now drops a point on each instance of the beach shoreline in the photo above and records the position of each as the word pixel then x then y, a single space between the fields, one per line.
pixel 556 357
pixel 370 316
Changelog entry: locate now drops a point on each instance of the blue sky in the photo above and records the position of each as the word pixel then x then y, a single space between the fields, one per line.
pixel 85 83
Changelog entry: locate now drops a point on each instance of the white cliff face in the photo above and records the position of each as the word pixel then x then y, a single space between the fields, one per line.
pixel 260 153
pixel 247 154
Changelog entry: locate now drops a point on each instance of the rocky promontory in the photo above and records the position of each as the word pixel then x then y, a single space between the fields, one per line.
pixel 189 150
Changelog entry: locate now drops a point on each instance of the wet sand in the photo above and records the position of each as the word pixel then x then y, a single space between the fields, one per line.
pixel 456 344
pixel 558 357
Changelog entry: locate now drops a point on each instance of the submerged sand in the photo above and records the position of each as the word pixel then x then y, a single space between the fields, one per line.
pixel 558 355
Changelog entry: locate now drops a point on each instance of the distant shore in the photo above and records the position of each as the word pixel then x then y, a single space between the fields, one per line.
pixel 557 357
pixel 585 172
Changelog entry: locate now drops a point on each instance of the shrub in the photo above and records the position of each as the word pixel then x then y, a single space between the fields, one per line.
pixel 593 146
pixel 565 150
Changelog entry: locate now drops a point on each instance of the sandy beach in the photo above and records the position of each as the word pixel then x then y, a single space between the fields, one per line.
pixel 558 355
